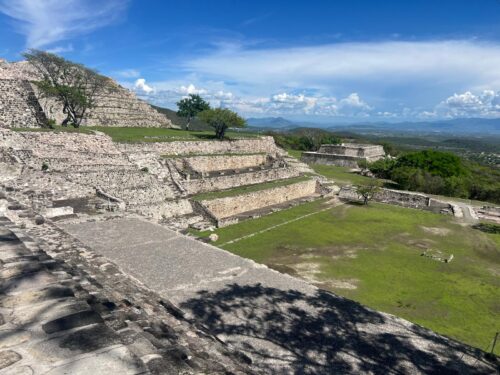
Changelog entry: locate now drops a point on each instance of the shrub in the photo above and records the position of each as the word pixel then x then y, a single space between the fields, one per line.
pixel 488 228
pixel 45 166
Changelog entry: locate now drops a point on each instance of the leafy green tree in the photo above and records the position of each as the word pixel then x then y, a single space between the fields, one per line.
pixel 368 190
pixel 221 119
pixel 438 163
pixel 73 85
pixel 191 106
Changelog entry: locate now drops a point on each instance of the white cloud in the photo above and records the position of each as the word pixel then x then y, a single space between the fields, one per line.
pixel 49 21
pixel 191 89
pixel 445 65
pixel 467 104
pixel 141 86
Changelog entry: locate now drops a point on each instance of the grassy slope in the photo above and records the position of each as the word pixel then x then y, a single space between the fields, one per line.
pixel 379 246
pixel 249 188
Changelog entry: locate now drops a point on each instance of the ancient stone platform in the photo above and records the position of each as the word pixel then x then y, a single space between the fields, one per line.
pixel 283 324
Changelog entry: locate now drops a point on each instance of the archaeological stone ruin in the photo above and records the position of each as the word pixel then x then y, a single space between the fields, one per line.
pixel 344 155
pixel 98 272
pixel 22 106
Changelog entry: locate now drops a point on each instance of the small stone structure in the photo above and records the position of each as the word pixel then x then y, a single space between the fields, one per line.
pixel 402 198
pixel 22 106
pixel 344 155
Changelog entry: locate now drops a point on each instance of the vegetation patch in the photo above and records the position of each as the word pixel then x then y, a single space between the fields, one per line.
pixel 488 227
pixel 377 249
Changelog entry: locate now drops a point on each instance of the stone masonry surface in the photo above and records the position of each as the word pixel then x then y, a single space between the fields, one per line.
pixel 220 162
pixel 284 325
pixel 116 106
pixel 18 105
pixel 67 310
pixel 230 206
pixel 132 296
pixel 344 155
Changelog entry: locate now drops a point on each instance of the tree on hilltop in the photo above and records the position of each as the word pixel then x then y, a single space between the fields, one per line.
pixel 73 85
pixel 221 119
pixel 191 106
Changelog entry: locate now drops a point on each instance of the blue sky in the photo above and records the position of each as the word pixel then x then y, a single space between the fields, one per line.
pixel 331 61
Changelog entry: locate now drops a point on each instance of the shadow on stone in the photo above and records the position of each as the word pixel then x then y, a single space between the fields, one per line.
pixel 323 334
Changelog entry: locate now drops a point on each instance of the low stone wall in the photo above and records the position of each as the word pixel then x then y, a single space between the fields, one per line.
pixel 203 164
pixel 252 145
pixel 164 209
pixel 330 159
pixel 398 197
pixel 221 208
pixel 203 185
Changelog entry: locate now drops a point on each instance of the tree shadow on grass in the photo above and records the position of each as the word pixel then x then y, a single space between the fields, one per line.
pixel 287 331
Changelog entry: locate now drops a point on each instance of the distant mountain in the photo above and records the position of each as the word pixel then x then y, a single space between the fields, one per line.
pixel 271 122
pixel 454 126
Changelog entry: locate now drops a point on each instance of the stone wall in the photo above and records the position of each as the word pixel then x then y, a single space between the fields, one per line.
pixel 353 149
pixel 204 164
pixel 19 106
pixel 202 185
pixel 115 106
pixel 251 145
pixel 397 197
pixel 221 208
pixel 330 159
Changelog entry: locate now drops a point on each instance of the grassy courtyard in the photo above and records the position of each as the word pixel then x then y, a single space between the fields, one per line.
pixel 373 255
pixel 143 134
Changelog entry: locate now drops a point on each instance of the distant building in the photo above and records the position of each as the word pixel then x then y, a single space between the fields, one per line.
pixel 344 154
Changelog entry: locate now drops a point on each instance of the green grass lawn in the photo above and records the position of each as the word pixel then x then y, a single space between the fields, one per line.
pixel 340 175
pixel 249 188
pixel 142 134
pixel 372 254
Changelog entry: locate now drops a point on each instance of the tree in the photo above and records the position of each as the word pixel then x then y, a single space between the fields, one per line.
pixel 73 85
pixel 368 191
pixel 191 106
pixel 221 119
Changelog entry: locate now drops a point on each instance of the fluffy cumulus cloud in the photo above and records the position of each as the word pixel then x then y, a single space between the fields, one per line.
pixel 467 104
pixel 142 87
pixel 50 21
pixel 281 103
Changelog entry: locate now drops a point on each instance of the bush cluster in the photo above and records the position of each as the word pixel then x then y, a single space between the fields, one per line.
pixel 309 140
pixel 443 173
